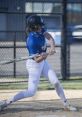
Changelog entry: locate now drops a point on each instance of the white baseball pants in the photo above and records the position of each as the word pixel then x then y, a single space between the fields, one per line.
pixel 35 70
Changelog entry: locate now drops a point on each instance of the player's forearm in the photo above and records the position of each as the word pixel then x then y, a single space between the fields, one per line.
pixel 51 40
pixel 52 44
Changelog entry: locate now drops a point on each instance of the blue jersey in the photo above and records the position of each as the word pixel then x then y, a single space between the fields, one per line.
pixel 36 43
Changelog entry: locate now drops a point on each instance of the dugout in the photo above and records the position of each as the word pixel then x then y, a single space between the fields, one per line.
pixel 58 15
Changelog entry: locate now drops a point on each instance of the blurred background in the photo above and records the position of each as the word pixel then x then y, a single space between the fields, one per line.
pixel 63 20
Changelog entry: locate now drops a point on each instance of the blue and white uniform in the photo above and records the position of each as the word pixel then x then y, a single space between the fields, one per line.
pixel 36 43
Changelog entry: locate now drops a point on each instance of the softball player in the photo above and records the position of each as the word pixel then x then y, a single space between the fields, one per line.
pixel 38 65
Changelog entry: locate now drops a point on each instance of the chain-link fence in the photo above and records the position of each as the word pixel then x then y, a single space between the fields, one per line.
pixel 16 49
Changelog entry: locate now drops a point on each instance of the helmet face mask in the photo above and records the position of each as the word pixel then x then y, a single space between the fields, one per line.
pixel 34 22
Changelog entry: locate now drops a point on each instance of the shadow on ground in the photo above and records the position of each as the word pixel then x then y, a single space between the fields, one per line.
pixel 41 108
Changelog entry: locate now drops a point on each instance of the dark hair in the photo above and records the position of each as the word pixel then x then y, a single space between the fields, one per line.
pixel 33 22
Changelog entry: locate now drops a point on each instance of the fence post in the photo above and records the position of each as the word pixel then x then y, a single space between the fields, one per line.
pixel 14 54
pixel 65 50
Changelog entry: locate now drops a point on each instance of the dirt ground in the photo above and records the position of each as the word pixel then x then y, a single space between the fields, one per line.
pixel 42 108
pixel 52 108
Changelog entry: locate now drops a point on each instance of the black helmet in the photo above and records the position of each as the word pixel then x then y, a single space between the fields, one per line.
pixel 34 20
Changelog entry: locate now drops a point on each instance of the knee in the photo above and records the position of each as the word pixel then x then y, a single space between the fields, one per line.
pixel 57 84
pixel 32 92
pixel 54 81
pixel 29 93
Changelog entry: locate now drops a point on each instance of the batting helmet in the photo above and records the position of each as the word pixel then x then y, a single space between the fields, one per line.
pixel 34 21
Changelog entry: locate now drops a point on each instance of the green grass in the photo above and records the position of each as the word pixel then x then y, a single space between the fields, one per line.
pixel 72 84
pixel 43 85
